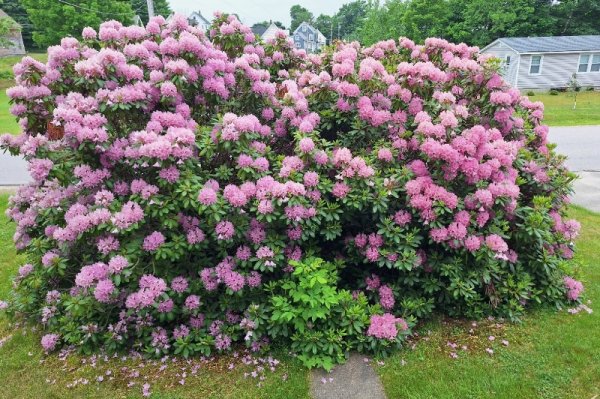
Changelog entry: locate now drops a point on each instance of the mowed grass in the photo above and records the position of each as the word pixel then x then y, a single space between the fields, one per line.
pixel 549 355
pixel 558 110
pixel 6 63
pixel 8 123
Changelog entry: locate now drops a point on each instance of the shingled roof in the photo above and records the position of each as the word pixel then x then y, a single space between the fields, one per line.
pixel 552 44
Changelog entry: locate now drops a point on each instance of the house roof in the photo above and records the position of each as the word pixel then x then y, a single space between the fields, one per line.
pixel 258 29
pixel 551 44
pixel 5 15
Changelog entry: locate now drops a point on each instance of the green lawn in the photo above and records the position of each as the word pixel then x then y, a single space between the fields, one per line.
pixel 8 124
pixel 549 355
pixel 6 63
pixel 558 110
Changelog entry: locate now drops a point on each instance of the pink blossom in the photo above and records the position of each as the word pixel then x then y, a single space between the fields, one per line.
pixel 224 230
pixel 49 342
pixel 386 326
pixel 154 241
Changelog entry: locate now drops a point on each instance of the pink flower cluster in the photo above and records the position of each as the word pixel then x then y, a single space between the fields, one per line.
pixel 386 326
pixel 175 171
pixel 574 288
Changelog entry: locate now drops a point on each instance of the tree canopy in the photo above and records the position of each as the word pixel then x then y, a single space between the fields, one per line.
pixel 478 22
pixel 52 19
pixel 298 15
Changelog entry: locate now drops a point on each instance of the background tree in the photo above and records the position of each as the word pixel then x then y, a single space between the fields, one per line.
pixel 382 21
pixel 326 24
pixel 53 20
pixel 266 24
pixel 576 17
pixel 161 7
pixel 574 87
pixel 350 17
pixel 16 11
pixel 482 21
pixel 425 18
pixel 299 14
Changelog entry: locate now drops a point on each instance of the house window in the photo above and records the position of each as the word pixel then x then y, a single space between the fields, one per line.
pixel 584 60
pixel 297 37
pixel 507 61
pixel 589 63
pixel 303 28
pixel 536 65
pixel 310 37
pixel 595 63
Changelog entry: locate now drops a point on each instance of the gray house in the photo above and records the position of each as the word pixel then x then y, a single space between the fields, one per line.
pixel 12 42
pixel 309 38
pixel 543 63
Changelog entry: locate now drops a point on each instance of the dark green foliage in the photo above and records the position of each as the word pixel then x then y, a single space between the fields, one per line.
pixel 323 321
pixel 298 15
pixel 478 22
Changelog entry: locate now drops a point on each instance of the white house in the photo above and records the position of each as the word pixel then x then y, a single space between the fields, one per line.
pixel 271 32
pixel 266 32
pixel 198 20
pixel 309 38
pixel 544 63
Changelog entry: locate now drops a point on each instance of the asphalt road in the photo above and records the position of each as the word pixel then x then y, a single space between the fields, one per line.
pixel 13 170
pixel 581 144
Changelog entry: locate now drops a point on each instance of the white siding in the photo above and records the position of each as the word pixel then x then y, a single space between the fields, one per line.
pixel 587 79
pixel 556 71
pixel 501 51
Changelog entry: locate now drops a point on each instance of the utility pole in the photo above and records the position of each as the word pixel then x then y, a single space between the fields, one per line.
pixel 150 8
pixel 331 33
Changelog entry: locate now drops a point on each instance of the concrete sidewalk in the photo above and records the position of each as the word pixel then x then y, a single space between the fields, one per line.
pixel 581 145
pixel 587 190
pixel 13 170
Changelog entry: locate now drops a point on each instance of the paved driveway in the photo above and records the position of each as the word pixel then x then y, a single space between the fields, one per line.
pixel 13 170
pixel 580 143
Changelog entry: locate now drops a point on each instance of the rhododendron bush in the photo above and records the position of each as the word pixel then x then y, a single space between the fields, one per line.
pixel 185 187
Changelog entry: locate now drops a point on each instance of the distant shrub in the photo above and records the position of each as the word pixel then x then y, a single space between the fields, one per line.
pixel 191 192
pixel 554 92
pixel 530 93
